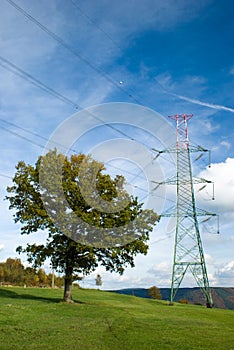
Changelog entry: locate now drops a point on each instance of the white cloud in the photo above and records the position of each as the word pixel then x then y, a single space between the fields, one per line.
pixel 222 176
pixel 161 273
pixel 147 14
pixel 225 274
pixel 209 259
pixel 168 83
pixel 227 270
pixel 208 126
pixel 226 144
pixel 15 44
pixel 162 267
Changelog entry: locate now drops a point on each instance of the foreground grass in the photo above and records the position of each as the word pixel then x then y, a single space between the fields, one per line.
pixel 37 319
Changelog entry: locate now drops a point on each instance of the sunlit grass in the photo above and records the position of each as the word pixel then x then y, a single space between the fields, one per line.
pixel 37 319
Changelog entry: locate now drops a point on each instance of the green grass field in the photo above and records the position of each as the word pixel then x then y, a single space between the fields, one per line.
pixel 37 319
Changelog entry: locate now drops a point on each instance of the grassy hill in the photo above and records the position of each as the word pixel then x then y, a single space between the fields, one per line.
pixel 222 297
pixel 36 319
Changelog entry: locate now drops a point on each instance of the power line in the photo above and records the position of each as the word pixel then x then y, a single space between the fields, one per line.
pixel 136 176
pixel 95 24
pixel 71 49
pixel 89 19
pixel 44 147
pixel 18 71
pixel 3 175
pixel 56 143
pixel 45 87
pixel 63 43
pixel 160 240
pixel 26 76
pixel 34 134
pixel 22 137
pixel 130 92
pixel 6 64
pixel 23 74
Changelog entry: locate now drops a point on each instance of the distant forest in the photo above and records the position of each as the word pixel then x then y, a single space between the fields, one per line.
pixel 223 297
pixel 13 272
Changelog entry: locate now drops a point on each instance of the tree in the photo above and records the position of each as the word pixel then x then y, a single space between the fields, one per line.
pixel 154 293
pixel 12 271
pixel 79 209
pixel 42 277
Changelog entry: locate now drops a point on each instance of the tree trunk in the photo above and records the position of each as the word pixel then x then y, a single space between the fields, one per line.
pixel 67 296
pixel 68 289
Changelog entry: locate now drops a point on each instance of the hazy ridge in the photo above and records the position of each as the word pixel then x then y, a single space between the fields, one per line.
pixel 222 297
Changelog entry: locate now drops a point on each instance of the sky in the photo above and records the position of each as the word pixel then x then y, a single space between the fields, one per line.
pixel 68 60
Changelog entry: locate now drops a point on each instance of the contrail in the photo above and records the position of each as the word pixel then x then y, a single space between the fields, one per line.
pixel 197 102
pixel 201 103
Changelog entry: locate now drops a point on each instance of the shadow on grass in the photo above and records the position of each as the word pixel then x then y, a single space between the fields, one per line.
pixel 6 293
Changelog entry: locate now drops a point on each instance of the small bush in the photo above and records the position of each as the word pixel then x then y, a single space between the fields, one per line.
pixel 154 293
pixel 183 301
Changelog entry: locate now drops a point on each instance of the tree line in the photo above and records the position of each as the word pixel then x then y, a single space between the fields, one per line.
pixel 13 272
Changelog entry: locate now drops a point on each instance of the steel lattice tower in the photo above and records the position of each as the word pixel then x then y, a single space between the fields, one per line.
pixel 188 250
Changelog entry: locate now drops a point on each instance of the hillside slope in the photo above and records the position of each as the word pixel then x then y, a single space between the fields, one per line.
pixel 36 319
pixel 222 297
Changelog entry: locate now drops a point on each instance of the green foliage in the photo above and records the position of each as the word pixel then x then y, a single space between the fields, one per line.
pixel 48 197
pixel 35 319
pixel 154 293
pixel 13 272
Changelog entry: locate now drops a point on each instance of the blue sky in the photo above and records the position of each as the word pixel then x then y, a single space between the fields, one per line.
pixel 169 56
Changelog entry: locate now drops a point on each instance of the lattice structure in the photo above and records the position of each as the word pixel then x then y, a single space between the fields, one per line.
pixel 188 250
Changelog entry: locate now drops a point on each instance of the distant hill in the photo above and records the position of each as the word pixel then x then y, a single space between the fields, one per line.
pixel 222 297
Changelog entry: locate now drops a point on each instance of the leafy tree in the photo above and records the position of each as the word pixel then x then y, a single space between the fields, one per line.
pixel 154 293
pixel 42 277
pixel 1 274
pixel 58 281
pixel 30 278
pixel 12 271
pixel 78 207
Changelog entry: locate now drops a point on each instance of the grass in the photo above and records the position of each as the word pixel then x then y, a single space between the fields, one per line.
pixel 37 319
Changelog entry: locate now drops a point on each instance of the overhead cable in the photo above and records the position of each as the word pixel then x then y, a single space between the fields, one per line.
pixel 6 64
pixel 89 19
pixel 68 47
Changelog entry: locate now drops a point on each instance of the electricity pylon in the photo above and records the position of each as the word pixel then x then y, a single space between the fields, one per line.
pixel 188 250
